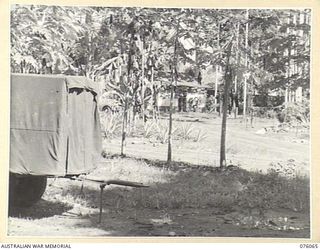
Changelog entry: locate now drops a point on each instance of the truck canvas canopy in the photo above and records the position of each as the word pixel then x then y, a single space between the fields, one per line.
pixel 55 127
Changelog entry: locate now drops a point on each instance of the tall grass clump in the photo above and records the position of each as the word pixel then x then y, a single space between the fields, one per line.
pixel 110 124
pixel 162 131
pixel 200 136
pixel 185 131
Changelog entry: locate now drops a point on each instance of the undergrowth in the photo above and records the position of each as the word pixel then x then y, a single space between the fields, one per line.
pixel 159 131
pixel 188 187
pixel 110 124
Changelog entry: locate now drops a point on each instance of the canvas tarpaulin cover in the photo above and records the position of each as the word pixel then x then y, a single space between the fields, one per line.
pixel 54 127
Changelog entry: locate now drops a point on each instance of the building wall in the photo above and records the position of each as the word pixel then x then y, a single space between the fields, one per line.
pixel 194 100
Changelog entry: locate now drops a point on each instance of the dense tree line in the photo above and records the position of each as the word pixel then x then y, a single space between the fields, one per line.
pixel 133 49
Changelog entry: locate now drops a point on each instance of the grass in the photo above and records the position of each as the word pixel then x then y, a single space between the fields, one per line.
pixel 185 199
pixel 187 186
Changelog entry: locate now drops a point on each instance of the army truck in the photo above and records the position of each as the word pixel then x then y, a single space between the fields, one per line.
pixel 54 132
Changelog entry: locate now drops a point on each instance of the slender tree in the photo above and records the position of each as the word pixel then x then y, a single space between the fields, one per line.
pixel 235 95
pixel 246 66
pixel 228 81
pixel 172 86
pixel 131 30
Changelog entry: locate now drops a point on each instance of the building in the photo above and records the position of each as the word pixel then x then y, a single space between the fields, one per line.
pixel 189 96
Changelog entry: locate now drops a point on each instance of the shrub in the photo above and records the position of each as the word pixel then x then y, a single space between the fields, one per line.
pixel 264 112
pixel 149 129
pixel 200 136
pixel 162 131
pixel 110 124
pixel 210 105
pixel 272 191
pixel 295 112
pixel 185 131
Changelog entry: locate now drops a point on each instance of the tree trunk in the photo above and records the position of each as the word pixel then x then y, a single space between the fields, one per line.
pixel 126 104
pixel 250 104
pixel 251 89
pixel 228 81
pixel 235 108
pixel 288 87
pixel 174 81
pixel 154 100
pixel 245 77
pixel 217 71
pixel 169 159
pixel 124 126
pixel 220 103
pixel 216 90
pixel 142 83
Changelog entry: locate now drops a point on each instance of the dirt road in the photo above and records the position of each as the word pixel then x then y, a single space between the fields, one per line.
pixel 244 147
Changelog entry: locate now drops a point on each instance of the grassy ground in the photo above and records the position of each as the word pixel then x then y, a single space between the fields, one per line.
pixel 187 200
pixel 264 193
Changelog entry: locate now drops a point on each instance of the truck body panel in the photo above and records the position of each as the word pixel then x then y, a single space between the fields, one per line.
pixel 54 125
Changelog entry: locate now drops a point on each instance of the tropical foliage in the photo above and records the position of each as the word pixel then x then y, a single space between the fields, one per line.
pixel 135 52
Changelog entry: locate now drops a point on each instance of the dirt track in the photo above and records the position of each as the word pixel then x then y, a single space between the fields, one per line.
pixel 244 147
